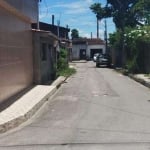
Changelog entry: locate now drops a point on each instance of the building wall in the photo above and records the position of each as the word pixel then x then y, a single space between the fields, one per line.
pixel 44 66
pixel 16 58
pixel 47 65
pixel 27 7
pixel 89 47
pixel 76 50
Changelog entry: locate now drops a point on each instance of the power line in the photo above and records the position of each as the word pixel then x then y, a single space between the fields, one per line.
pixel 45 12
pixel 46 6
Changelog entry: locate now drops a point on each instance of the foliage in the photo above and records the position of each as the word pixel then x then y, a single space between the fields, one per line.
pixel 124 12
pixel 120 10
pixel 114 39
pixel 74 33
pixel 62 60
pixel 62 64
pixel 135 39
pixel 99 11
pixel 136 34
pixel 67 72
pixel 142 11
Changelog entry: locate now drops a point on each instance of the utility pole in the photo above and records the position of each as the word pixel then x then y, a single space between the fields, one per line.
pixel 97 27
pixel 58 24
pixel 91 35
pixel 38 24
pixel 105 35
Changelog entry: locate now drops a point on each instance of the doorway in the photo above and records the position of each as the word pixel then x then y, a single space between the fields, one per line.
pixel 82 54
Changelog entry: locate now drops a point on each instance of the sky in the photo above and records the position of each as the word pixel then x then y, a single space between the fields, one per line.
pixel 76 14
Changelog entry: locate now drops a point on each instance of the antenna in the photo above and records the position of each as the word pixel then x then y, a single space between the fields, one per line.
pixel 91 35
pixel 60 17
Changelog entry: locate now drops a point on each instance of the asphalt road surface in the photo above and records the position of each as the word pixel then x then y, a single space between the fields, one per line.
pixel 95 109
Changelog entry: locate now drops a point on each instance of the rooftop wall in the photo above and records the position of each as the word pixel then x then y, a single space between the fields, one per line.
pixel 28 7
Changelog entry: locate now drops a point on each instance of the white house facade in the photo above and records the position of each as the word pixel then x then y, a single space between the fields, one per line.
pixel 86 48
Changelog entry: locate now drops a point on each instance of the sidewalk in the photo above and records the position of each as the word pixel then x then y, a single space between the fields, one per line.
pixel 26 106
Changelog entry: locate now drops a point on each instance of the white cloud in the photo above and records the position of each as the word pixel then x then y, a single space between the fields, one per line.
pixel 76 14
pixel 83 33
pixel 89 1
pixel 82 20
pixel 80 6
pixel 42 15
pixel 101 33
pixel 102 23
pixel 78 11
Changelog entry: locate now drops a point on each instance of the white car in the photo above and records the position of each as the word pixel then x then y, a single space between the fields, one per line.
pixel 95 56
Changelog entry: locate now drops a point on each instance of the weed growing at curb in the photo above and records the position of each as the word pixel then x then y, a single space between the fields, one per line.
pixel 66 72
pixel 63 66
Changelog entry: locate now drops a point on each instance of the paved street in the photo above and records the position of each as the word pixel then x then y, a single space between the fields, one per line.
pixel 95 109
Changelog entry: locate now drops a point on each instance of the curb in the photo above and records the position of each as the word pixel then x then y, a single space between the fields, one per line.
pixel 79 61
pixel 143 82
pixel 59 81
pixel 137 79
pixel 26 106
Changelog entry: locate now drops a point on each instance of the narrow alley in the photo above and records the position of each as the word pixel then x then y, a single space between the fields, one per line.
pixel 95 109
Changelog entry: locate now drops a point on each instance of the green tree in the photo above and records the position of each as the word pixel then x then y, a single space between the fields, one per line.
pixel 98 10
pixel 124 12
pixel 74 33
pixel 142 11
pixel 120 11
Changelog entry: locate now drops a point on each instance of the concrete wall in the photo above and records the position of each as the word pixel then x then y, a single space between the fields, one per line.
pixel 76 50
pixel 16 55
pixel 144 57
pixel 147 60
pixel 89 47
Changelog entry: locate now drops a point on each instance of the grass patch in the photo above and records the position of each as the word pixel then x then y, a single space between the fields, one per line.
pixel 66 72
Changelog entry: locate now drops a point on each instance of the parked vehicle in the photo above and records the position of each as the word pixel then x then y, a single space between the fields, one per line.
pixel 103 60
pixel 95 56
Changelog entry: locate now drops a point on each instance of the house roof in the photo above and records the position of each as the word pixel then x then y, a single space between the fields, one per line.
pixel 79 41
pixel 47 32
pixel 53 28
pixel 93 41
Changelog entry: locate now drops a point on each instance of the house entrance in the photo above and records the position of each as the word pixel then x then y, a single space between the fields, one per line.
pixel 82 54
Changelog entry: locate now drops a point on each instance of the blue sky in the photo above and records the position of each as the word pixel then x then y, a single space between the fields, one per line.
pixel 74 13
